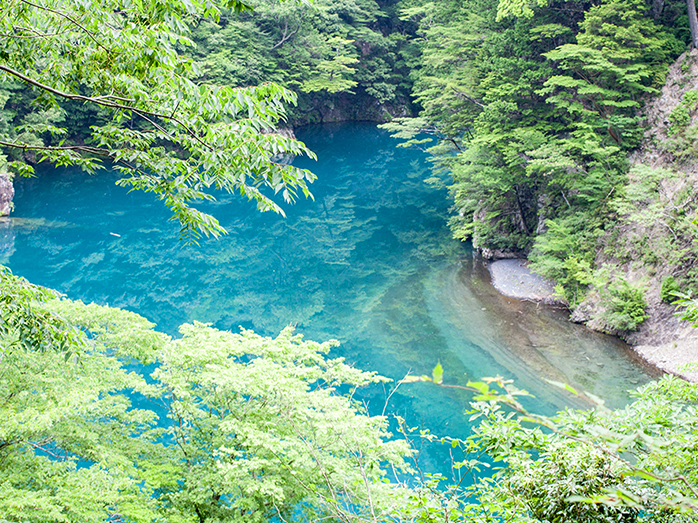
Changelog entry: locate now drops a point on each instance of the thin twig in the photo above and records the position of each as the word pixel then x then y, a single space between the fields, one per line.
pixel 284 37
pixel 469 98
pixel 81 148
pixel 71 20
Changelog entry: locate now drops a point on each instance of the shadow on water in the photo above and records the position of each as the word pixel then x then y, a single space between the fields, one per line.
pixel 369 262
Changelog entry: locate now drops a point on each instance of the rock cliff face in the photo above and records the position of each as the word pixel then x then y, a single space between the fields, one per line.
pixel 658 237
pixel 346 107
pixel 7 192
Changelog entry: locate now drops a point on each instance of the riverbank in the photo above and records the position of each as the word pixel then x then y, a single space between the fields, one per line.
pixel 673 357
pixel 513 278
pixel 670 352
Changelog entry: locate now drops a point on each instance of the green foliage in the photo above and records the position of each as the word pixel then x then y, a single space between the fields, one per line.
pixel 633 464
pixel 670 287
pixel 70 440
pixel 320 49
pixel 642 200
pixel 647 213
pixel 260 429
pixel 680 116
pixel 688 308
pixel 25 325
pixel 565 254
pixel 487 103
pixel 413 131
pixel 536 112
pixel 333 72
pixel 255 427
pixel 656 214
pixel 625 306
pixel 518 8
pixel 683 144
pixel 681 132
pixel 620 53
pixel 533 116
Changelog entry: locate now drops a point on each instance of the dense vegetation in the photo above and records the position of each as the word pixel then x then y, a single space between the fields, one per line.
pixel 533 108
pixel 236 427
pixel 535 116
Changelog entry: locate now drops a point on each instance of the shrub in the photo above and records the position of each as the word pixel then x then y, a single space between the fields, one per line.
pixel 669 289
pixel 625 309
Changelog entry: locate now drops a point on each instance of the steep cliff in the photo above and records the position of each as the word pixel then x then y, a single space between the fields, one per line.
pixel 653 242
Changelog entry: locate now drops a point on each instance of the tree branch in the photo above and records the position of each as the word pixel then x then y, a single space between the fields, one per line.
pixel 469 98
pixel 104 101
pixel 284 37
pixel 71 20
pixel 36 34
pixel 80 148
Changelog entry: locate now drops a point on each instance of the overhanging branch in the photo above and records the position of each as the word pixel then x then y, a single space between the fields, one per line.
pixel 105 101
pixel 71 20
pixel 79 148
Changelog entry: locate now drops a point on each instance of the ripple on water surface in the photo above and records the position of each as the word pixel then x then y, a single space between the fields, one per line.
pixel 370 262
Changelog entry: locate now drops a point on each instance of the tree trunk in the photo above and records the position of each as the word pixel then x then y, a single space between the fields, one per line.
pixel 693 22
pixel 522 225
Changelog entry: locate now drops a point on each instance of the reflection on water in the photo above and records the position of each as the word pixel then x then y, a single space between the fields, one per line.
pixel 369 262
pixel 7 239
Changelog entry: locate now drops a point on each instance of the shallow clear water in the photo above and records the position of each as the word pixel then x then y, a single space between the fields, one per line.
pixel 370 262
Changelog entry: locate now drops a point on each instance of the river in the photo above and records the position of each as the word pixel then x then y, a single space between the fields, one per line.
pixel 369 262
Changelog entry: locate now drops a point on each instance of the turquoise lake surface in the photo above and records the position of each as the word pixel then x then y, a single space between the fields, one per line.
pixel 370 262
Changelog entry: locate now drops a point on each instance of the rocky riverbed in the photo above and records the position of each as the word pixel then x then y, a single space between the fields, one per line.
pixel 675 352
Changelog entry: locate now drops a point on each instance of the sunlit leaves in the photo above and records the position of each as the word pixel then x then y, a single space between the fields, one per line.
pixel 334 73
pixel 597 465
pixel 67 445
pixel 254 427
pixel 25 325
pixel 516 8
pixel 259 421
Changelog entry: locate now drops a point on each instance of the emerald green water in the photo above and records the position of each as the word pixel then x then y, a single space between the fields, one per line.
pixel 370 262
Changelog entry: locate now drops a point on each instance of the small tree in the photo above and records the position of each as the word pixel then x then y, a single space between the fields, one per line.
pixel 259 430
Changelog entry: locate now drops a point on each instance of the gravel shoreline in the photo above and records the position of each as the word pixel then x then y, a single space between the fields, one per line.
pixel 513 278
